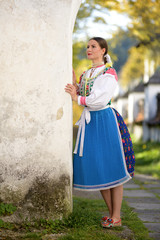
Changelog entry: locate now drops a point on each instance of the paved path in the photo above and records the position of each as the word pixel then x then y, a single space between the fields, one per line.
pixel 143 195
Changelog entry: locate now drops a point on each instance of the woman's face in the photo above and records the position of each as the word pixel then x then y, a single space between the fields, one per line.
pixel 94 51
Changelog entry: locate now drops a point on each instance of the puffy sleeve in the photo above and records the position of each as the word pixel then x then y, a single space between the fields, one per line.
pixel 101 93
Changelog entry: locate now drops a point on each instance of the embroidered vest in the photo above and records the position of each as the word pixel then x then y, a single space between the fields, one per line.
pixel 86 84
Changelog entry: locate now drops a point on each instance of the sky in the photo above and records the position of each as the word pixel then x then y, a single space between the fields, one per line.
pixel 113 20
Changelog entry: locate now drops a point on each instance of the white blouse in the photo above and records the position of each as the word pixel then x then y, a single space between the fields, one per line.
pixel 102 91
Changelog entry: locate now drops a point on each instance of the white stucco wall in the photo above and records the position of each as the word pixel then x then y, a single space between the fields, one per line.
pixel 150 110
pixel 36 113
pixel 122 106
pixel 133 99
pixel 150 103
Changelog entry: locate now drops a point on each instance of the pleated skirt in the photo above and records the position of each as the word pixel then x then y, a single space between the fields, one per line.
pixel 108 158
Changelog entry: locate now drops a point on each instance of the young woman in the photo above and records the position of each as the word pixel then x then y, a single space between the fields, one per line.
pixel 103 155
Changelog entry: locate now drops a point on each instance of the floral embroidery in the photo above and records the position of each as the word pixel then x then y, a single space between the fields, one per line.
pixel 86 84
pixel 127 144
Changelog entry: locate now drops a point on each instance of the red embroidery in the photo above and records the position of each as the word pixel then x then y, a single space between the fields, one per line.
pixel 80 78
pixel 112 72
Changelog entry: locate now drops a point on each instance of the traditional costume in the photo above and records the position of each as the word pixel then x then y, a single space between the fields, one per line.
pixel 103 155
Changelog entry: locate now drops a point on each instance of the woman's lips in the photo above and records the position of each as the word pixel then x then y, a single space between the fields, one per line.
pixel 89 54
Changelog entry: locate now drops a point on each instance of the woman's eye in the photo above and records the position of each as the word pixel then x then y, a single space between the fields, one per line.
pixel 93 46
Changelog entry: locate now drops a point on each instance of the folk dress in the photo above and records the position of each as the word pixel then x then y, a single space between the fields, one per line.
pixel 103 155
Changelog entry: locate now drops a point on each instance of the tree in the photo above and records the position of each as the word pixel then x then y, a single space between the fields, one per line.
pixel 143 32
pixel 119 47
pixel 87 10
pixel 133 69
pixel 145 23
pixel 145 27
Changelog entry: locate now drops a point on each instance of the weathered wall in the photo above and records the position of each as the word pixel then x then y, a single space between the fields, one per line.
pixel 35 112
pixel 151 91
pixel 133 107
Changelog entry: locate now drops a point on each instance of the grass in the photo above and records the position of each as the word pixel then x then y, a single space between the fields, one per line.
pixel 84 224
pixel 88 214
pixel 147 157
pixel 7 209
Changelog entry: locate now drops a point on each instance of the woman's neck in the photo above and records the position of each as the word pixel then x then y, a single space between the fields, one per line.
pixel 97 64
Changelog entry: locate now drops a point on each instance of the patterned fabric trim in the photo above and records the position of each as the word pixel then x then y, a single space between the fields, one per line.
pixel 112 72
pixel 83 101
pixel 102 186
pixel 127 144
pixel 86 84
pixel 81 76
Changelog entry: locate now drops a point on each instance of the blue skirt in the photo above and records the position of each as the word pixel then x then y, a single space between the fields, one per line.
pixel 108 157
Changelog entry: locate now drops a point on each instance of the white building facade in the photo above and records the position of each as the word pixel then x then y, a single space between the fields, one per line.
pixel 151 130
pixel 36 113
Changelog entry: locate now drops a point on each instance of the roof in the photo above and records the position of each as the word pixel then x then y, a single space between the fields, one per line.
pixel 155 78
pixel 138 88
pixel 124 95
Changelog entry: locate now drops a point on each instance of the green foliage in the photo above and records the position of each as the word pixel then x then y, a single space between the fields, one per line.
pixel 83 223
pixel 7 209
pixel 90 234
pixel 29 236
pixel 145 27
pixel 87 10
pixel 133 69
pixel 80 61
pixel 143 32
pixel 145 19
pixel 119 48
pixel 147 157
pixel 6 225
pixel 79 218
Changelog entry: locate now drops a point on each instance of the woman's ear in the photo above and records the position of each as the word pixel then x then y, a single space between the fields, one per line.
pixel 103 50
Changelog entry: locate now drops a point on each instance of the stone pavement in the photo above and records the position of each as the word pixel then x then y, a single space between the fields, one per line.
pixel 142 194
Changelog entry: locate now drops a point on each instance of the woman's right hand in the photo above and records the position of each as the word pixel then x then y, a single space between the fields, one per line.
pixel 71 89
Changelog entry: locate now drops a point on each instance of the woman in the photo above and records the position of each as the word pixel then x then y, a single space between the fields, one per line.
pixel 103 155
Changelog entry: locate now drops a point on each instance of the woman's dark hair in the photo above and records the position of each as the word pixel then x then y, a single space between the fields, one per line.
pixel 103 44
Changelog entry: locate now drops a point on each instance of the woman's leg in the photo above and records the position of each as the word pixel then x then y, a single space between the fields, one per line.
pixel 106 194
pixel 117 197
pixel 113 199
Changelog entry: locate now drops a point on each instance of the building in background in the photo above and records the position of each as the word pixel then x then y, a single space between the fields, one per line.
pixel 151 123
pixel 140 107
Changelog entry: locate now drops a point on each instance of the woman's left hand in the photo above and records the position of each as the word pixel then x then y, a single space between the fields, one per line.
pixel 72 91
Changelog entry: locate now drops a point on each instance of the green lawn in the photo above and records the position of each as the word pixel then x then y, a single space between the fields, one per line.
pixel 147 157
pixel 82 224
pixel 85 225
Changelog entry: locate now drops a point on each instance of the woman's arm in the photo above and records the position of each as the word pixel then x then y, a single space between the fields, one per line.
pixel 73 89
pixel 74 80
pixel 102 92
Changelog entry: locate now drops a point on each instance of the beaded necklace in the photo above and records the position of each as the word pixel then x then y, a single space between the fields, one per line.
pixel 107 65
